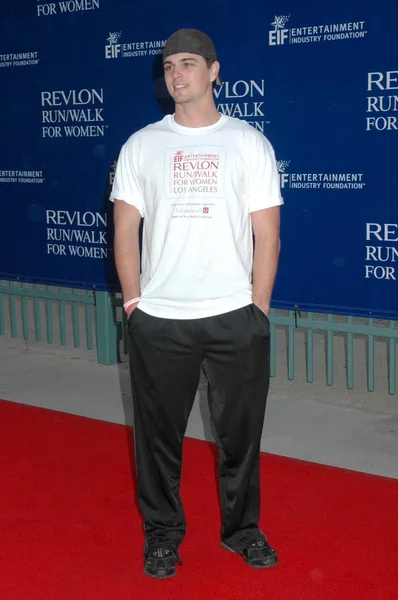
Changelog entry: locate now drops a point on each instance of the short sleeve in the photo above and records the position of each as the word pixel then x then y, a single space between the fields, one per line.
pixel 264 183
pixel 126 185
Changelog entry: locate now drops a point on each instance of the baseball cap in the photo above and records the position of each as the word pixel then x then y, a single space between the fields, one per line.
pixel 192 41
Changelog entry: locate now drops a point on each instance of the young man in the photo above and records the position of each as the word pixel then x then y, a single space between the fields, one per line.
pixel 203 182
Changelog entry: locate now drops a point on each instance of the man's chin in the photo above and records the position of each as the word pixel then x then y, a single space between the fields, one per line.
pixel 181 100
pixel 180 97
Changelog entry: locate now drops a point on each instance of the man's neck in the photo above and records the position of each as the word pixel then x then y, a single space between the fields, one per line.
pixel 196 116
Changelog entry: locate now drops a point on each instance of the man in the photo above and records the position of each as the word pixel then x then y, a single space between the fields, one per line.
pixel 203 182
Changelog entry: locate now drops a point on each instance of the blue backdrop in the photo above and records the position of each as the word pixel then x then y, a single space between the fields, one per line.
pixel 321 82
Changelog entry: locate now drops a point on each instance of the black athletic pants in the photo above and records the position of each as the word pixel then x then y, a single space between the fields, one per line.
pixel 166 357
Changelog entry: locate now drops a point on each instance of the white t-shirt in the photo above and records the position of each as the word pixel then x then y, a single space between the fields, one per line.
pixel 196 188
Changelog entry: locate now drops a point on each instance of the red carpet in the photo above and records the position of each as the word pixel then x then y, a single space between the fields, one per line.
pixel 70 529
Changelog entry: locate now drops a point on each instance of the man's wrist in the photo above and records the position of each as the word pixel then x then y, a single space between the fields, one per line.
pixel 131 303
pixel 130 309
pixel 261 303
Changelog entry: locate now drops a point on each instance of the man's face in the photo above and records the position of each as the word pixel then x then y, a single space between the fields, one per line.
pixel 187 76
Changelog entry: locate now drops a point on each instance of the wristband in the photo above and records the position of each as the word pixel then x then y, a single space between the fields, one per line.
pixel 129 303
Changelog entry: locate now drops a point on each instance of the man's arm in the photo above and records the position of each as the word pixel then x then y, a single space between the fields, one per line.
pixel 266 224
pixel 127 221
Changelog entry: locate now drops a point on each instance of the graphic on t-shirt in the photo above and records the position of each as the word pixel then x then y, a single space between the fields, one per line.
pixel 195 174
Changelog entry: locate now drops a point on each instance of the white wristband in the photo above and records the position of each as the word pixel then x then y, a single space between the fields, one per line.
pixel 129 303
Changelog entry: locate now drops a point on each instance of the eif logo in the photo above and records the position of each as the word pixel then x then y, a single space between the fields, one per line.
pixel 282 166
pixel 178 156
pixel 278 36
pixel 113 49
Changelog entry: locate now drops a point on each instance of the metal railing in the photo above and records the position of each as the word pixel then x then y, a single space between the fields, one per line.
pixel 42 311
pixel 332 325
pixel 51 296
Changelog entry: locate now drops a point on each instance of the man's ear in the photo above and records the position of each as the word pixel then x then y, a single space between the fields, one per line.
pixel 214 69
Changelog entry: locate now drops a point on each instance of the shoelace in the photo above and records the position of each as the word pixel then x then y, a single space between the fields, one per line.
pixel 258 544
pixel 248 540
pixel 156 552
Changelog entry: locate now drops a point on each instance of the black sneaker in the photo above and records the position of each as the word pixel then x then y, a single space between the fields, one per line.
pixel 258 554
pixel 161 561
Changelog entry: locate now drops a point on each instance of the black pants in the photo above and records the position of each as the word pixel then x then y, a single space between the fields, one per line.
pixel 166 357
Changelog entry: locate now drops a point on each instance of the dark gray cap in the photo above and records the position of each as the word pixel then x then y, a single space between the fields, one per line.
pixel 193 42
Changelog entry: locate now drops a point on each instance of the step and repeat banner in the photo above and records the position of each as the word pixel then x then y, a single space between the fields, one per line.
pixel 320 80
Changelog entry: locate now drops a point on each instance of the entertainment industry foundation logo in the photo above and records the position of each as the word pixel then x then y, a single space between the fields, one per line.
pixel 384 106
pixel 331 32
pixel 21 176
pixel 76 233
pixel 73 113
pixel 132 49
pixel 243 99
pixel 45 9
pixel 316 181
pixel 19 59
